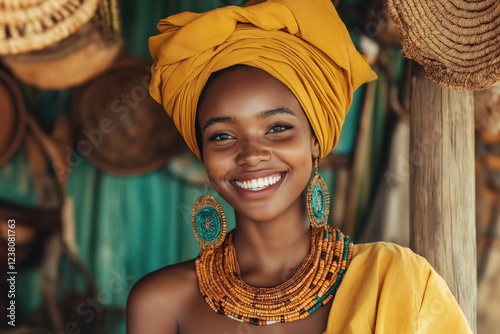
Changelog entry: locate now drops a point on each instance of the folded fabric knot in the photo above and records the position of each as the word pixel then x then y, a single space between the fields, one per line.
pixel 304 44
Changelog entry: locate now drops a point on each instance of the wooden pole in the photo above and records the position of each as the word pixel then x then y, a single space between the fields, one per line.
pixel 442 192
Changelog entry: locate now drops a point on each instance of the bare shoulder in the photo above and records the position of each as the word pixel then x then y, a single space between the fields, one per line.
pixel 159 298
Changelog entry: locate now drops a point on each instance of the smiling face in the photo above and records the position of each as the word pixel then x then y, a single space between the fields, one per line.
pixel 257 144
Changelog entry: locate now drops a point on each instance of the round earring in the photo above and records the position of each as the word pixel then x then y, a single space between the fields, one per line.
pixel 317 199
pixel 209 222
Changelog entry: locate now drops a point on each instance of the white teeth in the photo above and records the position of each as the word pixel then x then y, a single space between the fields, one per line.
pixel 258 184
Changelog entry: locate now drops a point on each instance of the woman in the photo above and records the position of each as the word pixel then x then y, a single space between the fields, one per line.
pixel 260 94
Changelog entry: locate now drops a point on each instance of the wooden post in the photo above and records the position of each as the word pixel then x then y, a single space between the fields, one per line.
pixel 442 191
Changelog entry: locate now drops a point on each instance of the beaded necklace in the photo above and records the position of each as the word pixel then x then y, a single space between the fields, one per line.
pixel 313 285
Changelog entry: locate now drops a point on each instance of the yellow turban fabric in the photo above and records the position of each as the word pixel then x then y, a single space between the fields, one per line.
pixel 304 44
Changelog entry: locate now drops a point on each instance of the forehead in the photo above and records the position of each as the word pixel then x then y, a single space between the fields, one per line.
pixel 245 90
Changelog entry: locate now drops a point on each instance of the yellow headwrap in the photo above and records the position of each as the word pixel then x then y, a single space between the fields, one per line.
pixel 304 44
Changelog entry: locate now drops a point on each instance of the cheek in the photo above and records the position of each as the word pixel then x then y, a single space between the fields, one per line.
pixel 217 166
pixel 298 156
pixel 297 150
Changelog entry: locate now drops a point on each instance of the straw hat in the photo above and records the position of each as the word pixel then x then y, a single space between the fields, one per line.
pixel 27 25
pixel 456 41
pixel 13 116
pixel 119 127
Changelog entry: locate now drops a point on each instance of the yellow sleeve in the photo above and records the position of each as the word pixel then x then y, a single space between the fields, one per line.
pixel 439 312
pixel 390 289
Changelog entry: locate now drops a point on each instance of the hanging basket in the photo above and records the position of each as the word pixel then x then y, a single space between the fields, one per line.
pixel 68 63
pixel 28 25
pixel 118 126
pixel 456 41
pixel 13 116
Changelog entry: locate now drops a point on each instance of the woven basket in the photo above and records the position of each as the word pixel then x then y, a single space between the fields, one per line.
pixel 68 63
pixel 456 41
pixel 13 116
pixel 118 126
pixel 27 25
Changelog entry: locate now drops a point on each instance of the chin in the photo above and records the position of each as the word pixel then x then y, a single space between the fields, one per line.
pixel 260 216
pixel 261 212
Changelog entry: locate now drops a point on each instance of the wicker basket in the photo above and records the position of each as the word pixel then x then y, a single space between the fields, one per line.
pixel 118 126
pixel 456 41
pixel 68 63
pixel 28 25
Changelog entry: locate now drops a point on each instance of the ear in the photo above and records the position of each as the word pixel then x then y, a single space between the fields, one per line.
pixel 315 150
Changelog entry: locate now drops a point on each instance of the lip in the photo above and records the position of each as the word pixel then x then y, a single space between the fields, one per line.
pixel 258 194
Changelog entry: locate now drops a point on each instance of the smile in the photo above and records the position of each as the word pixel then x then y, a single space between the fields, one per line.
pixel 260 183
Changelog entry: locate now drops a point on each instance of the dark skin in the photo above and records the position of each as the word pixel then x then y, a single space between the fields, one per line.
pixel 252 127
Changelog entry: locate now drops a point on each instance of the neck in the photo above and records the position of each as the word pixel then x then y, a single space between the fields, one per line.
pixel 269 252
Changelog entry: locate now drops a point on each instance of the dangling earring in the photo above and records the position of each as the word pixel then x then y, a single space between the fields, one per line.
pixel 209 222
pixel 317 199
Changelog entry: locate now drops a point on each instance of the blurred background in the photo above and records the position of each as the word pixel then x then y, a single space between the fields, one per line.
pixel 100 184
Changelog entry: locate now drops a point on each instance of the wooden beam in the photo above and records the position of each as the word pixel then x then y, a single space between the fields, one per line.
pixel 442 192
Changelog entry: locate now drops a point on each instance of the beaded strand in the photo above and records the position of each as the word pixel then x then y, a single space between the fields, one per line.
pixel 313 285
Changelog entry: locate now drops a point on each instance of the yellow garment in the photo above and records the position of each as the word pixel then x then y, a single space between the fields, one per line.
pixel 390 289
pixel 304 44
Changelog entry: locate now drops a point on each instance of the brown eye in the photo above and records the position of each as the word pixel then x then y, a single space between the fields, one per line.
pixel 279 128
pixel 220 137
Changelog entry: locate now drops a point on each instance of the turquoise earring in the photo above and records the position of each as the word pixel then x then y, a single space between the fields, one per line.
pixel 317 199
pixel 209 222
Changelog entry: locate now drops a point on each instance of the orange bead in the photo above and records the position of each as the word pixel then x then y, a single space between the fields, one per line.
pixel 218 278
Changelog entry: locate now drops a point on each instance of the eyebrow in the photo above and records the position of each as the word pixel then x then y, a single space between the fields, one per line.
pixel 263 114
pixel 215 120
pixel 276 111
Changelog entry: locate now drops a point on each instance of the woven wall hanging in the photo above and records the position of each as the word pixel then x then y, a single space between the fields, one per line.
pixel 457 42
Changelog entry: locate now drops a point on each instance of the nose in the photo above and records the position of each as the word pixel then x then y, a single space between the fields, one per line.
pixel 252 155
